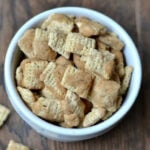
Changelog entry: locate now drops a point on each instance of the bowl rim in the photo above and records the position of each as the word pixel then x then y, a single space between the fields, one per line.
pixel 31 118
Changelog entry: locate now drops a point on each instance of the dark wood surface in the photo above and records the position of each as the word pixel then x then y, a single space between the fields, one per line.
pixel 133 132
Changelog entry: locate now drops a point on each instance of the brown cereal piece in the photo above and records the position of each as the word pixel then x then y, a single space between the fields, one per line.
pixel 52 76
pixel 63 61
pixel 93 117
pixel 27 95
pixel 71 120
pixel 104 93
pixel 80 64
pixel 4 112
pixel 73 104
pixel 77 81
pixel 115 77
pixel 126 79
pixel 78 44
pixel 113 109
pixel 88 27
pixel 49 109
pixel 19 75
pixel 59 22
pixel 16 146
pixel 32 69
pixel 119 62
pixel 25 43
pixel 101 63
pixel 102 46
pixel 112 41
pixel 56 42
pixel 40 46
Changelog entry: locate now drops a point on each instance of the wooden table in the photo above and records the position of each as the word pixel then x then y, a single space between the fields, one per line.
pixel 133 132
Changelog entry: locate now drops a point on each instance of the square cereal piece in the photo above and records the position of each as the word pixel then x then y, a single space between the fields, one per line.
pixel 4 112
pixel 27 95
pixel 77 81
pixel 104 93
pixel 16 146
pixel 32 68
pixel 59 22
pixel 112 41
pixel 88 27
pixel 78 44
pixel 56 42
pixel 126 79
pixel 40 46
pixel 52 76
pixel 49 109
pixel 25 43
pixel 101 63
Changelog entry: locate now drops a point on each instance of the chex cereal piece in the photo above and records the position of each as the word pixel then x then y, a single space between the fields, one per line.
pixel 77 81
pixel 80 64
pixel 88 27
pixel 126 79
pixel 19 75
pixel 25 43
pixel 27 95
pixel 112 41
pixel 78 44
pixel 73 104
pixel 4 112
pixel 59 22
pixel 49 109
pixel 101 63
pixel 56 42
pixel 40 46
pixel 93 117
pixel 63 61
pixel 104 93
pixel 52 76
pixel 16 146
pixel 71 120
pixel 119 62
pixel 32 69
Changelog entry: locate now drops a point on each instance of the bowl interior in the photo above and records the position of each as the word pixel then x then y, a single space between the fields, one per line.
pixel 14 56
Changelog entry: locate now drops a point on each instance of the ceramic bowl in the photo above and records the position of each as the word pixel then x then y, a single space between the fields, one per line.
pixel 52 131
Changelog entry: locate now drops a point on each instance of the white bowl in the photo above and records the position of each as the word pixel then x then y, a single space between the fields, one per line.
pixel 49 130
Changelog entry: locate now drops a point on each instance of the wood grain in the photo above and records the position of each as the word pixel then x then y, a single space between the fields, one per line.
pixel 133 132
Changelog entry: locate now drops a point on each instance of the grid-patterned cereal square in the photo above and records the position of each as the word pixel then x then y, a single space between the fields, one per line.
pixel 32 69
pixel 77 81
pixel 56 42
pixel 16 146
pixel 4 112
pixel 101 63
pixel 78 44
pixel 40 46
pixel 52 76
pixel 25 43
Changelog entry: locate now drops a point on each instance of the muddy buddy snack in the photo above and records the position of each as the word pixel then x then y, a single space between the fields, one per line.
pixel 73 73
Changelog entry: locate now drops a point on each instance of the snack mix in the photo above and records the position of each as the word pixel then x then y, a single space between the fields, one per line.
pixel 73 73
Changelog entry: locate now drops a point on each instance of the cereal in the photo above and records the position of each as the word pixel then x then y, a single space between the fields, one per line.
pixel 77 81
pixel 101 62
pixel 49 109
pixel 4 112
pixel 59 22
pixel 93 117
pixel 56 42
pixel 73 73
pixel 25 43
pixel 16 146
pixel 40 46
pixel 88 27
pixel 112 41
pixel 78 44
